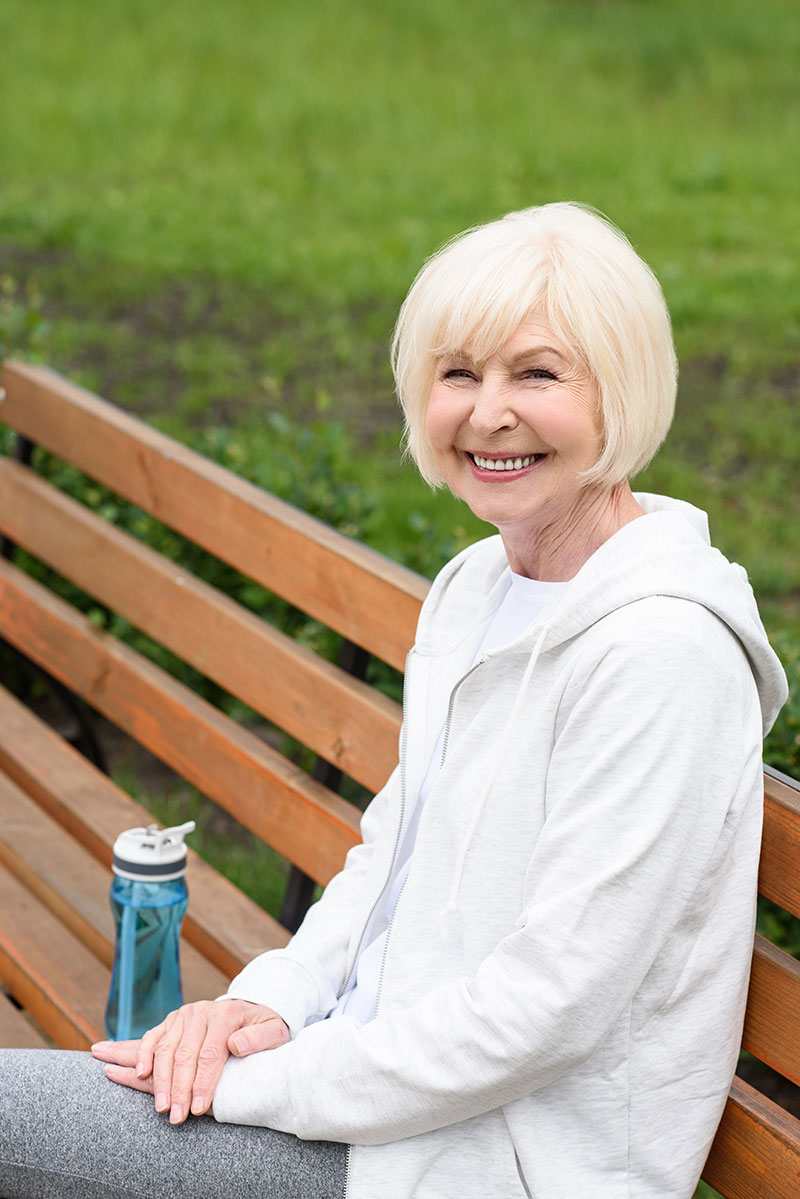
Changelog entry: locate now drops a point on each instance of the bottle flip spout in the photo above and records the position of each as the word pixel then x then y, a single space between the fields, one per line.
pixel 167 837
pixel 152 853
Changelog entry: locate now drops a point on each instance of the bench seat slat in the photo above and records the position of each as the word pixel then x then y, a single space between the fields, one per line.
pixel 74 886
pixel 303 820
pixel 365 596
pixel 756 1152
pixel 16 1030
pixel 339 717
pixel 223 924
pixel 48 970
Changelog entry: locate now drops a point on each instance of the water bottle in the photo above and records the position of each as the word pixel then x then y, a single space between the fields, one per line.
pixel 148 899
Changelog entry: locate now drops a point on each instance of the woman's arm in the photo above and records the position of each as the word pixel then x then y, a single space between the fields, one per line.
pixel 635 818
pixel 180 1060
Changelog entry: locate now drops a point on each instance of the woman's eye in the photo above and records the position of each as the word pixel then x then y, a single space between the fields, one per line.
pixel 458 372
pixel 539 372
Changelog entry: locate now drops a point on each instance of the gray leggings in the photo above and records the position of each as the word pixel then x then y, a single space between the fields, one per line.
pixel 66 1132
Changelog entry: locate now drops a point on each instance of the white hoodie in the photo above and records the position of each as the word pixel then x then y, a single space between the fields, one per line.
pixel 564 982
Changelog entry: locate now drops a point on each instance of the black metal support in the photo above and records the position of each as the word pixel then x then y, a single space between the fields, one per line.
pixel 84 738
pixel 300 887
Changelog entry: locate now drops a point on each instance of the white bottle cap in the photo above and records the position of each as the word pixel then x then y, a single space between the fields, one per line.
pixel 152 853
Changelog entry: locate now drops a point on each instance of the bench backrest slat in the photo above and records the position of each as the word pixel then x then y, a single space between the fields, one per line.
pixel 779 876
pixel 302 819
pixel 339 717
pixel 756 1152
pixel 773 1010
pixel 352 589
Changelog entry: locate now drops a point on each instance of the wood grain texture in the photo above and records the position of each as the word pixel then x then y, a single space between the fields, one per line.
pixel 360 593
pixel 779 869
pixel 303 820
pixel 223 924
pixel 756 1152
pixel 58 981
pixel 343 719
pixel 772 1024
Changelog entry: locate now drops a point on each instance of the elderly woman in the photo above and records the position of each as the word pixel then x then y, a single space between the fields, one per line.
pixel 529 979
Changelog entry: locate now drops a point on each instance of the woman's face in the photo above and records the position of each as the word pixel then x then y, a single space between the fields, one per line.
pixel 512 435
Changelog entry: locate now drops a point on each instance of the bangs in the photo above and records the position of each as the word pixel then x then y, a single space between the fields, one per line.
pixel 487 306
pixel 481 333
pixel 488 300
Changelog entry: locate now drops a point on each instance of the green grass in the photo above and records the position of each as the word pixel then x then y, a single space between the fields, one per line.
pixel 322 152
pixel 704 1191
pixel 317 155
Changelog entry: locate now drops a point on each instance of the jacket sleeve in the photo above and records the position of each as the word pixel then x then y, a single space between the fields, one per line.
pixel 302 981
pixel 642 791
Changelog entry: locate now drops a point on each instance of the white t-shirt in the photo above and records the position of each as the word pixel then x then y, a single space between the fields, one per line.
pixel 521 603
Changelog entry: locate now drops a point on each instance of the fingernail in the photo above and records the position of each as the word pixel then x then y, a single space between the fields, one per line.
pixel 141 1070
pixel 198 1105
pixel 176 1115
pixel 99 1045
pixel 162 1101
pixel 238 1044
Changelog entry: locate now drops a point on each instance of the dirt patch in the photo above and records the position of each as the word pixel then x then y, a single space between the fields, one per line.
pixel 209 348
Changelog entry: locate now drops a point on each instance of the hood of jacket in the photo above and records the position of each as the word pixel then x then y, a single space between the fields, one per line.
pixel 667 552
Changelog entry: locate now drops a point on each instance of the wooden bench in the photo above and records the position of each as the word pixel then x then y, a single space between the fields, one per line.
pixel 59 813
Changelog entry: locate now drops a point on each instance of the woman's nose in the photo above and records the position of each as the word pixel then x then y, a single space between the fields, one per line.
pixel 493 409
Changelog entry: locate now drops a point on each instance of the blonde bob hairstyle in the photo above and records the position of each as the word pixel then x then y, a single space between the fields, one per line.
pixel 571 267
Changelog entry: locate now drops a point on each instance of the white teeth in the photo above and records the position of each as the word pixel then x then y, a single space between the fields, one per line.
pixel 504 463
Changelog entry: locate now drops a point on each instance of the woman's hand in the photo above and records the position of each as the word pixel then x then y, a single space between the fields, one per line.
pixel 180 1060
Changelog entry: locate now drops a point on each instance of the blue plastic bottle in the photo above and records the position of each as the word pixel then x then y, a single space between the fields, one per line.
pixel 148 899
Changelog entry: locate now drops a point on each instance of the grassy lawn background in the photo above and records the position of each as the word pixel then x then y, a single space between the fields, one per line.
pixel 224 205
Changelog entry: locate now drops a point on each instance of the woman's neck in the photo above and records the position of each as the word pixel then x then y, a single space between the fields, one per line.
pixel 560 544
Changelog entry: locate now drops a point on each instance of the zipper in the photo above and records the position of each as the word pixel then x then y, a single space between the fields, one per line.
pixel 452 702
pixel 347 1163
pixel 379 988
pixel 388 879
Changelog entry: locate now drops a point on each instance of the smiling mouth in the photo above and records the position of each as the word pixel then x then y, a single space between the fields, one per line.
pixel 517 463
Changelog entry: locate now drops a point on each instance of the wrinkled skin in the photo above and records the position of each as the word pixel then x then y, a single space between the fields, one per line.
pixel 180 1060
